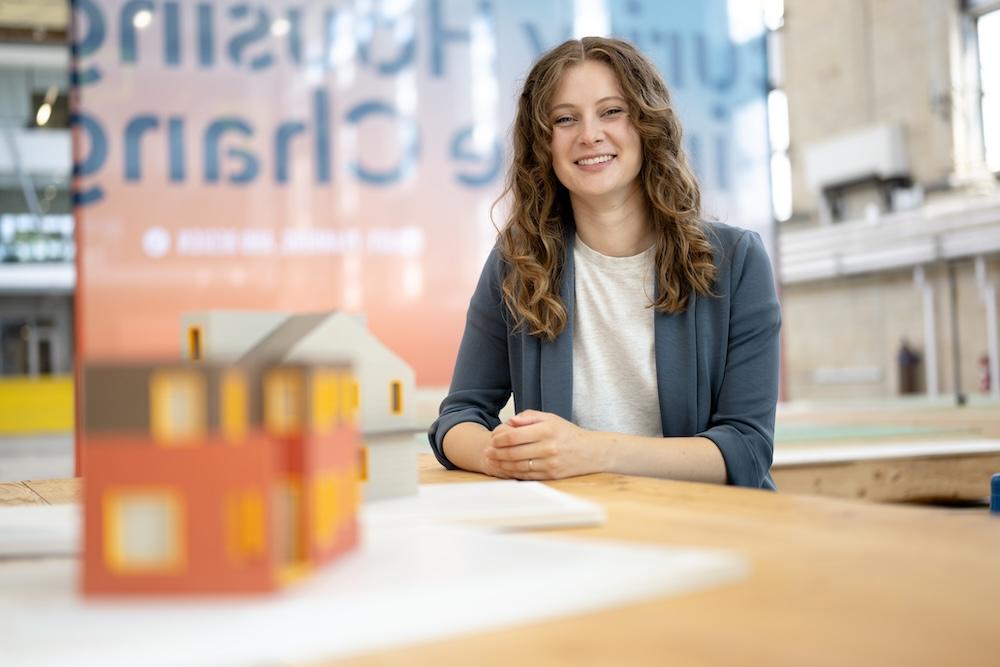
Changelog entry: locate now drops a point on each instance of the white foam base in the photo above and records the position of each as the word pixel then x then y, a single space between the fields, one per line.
pixel 404 585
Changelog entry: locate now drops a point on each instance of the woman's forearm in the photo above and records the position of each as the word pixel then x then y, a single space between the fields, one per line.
pixel 464 445
pixel 694 459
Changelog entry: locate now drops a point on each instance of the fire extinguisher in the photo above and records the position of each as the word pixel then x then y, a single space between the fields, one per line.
pixel 984 374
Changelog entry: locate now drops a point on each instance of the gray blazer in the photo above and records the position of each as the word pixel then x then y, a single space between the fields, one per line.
pixel 716 363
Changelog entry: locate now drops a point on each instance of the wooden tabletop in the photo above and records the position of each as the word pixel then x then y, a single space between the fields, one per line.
pixel 832 582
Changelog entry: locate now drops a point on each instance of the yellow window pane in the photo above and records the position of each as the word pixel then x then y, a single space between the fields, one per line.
pixel 350 398
pixel 144 531
pixel 325 509
pixel 324 401
pixel 245 520
pixel 195 342
pixel 283 401
pixel 177 406
pixel 396 397
pixel 363 464
pixel 235 397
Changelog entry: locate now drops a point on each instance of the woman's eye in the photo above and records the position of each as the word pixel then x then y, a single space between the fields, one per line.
pixel 614 111
pixel 562 120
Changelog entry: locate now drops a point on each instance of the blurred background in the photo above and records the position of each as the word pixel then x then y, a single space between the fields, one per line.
pixel 322 154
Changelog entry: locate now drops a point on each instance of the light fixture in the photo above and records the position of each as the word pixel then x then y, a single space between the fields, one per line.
pixel 142 19
pixel 280 27
pixel 45 109
pixel 43 114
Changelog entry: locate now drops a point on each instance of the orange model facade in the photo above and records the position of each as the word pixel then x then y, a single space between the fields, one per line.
pixel 216 479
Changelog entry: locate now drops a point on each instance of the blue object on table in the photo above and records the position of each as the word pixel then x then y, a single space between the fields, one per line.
pixel 995 494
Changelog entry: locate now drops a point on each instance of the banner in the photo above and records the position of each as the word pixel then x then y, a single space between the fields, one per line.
pixel 314 155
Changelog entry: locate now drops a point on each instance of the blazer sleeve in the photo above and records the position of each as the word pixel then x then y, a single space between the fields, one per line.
pixel 481 384
pixel 742 422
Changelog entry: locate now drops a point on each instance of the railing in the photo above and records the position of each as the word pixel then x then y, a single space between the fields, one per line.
pixel 938 231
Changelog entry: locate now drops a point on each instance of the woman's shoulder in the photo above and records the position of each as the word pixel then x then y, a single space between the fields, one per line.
pixel 726 237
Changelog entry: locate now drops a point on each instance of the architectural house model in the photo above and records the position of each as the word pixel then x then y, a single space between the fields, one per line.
pixel 385 417
pixel 215 478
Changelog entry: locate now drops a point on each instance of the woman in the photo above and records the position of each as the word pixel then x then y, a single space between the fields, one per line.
pixel 636 338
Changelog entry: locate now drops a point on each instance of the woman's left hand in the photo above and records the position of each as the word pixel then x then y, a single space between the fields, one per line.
pixel 541 445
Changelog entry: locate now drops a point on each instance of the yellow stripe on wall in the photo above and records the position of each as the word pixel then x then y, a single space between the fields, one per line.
pixel 36 405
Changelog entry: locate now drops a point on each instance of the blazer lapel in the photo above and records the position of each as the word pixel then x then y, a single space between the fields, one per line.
pixel 556 362
pixel 676 340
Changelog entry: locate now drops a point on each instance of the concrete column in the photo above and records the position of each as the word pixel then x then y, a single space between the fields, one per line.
pixel 930 332
pixel 988 293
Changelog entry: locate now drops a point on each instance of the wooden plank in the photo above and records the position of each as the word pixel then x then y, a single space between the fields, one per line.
pixel 18 493
pixel 958 478
pixel 56 491
pixel 785 455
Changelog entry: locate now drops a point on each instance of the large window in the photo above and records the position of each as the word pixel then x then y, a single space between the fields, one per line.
pixel 988 33
pixel 777 113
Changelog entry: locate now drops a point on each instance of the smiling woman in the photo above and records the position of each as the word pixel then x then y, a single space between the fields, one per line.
pixel 635 337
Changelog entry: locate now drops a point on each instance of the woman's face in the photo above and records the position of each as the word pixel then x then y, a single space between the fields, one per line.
pixel 596 151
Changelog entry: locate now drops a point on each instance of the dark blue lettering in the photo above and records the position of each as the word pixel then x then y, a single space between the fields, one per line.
pixel 206 35
pixel 212 139
pixel 127 31
pixel 175 139
pixel 703 56
pixel 171 34
pixel 295 35
pixel 402 59
pixel 136 127
pixel 96 157
pixel 440 35
pixel 86 42
pixel 282 138
pixel 462 150
pixel 411 151
pixel 260 29
pixel 321 118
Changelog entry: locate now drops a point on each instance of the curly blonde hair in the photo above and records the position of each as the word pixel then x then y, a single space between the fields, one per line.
pixel 532 242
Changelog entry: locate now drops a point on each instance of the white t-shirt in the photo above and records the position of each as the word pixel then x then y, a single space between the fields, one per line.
pixel 614 367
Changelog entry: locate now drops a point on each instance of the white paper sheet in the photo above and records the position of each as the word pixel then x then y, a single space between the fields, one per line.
pixel 39 530
pixel 404 585
pixel 53 530
pixel 506 504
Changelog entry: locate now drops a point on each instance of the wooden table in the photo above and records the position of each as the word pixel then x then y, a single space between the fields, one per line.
pixel 832 582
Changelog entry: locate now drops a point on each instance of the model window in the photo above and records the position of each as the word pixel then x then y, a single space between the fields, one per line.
pixel 234 406
pixel 177 407
pixel 283 401
pixel 350 398
pixel 396 397
pixel 194 344
pixel 245 518
pixel 325 517
pixel 363 464
pixel 324 400
pixel 144 531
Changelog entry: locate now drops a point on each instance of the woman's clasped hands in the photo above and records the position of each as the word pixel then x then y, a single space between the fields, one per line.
pixel 540 445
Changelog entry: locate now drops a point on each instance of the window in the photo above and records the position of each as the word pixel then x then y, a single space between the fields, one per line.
pixel 988 33
pixel 350 398
pixel 396 397
pixel 363 464
pixel 324 400
pixel 144 531
pixel 283 401
pixel 194 344
pixel 325 506
pixel 245 524
pixel 177 409
pixel 234 406
pixel 777 114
